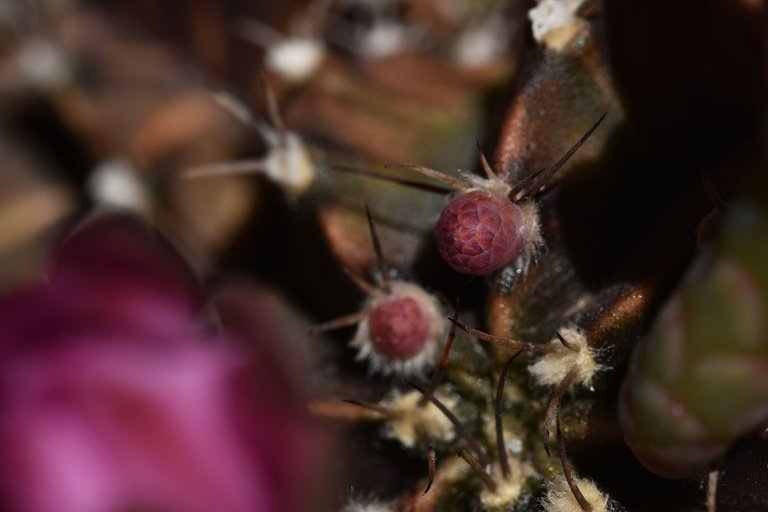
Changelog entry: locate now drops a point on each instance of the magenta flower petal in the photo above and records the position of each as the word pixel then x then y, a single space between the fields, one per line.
pixel 120 256
pixel 114 397
pixel 124 424
pixel 113 273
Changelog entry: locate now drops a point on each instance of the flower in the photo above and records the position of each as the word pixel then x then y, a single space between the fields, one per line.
pixel 115 396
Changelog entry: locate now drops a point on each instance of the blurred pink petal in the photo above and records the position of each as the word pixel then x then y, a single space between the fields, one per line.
pixel 114 398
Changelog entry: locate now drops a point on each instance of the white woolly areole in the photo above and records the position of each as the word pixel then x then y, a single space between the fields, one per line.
pixel 554 22
pixel 559 497
pixel 508 490
pixel 116 183
pixel 551 368
pixel 289 164
pixel 531 230
pixel 295 59
pixel 497 185
pixel 483 42
pixel 382 39
pixel 43 65
pixel 413 418
pixel 373 506
pixel 419 362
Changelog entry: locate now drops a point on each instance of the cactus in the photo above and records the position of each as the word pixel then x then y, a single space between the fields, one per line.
pixel 695 384
pixel 606 262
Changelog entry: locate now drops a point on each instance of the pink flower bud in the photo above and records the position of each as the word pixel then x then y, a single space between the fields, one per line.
pixel 480 232
pixel 114 396
pixel 399 328
pixel 402 330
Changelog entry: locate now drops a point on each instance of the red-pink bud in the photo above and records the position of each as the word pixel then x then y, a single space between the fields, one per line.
pixel 402 330
pixel 399 328
pixel 480 232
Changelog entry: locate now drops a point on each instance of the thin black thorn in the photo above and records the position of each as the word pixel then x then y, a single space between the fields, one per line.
pixel 442 364
pixel 381 263
pixel 426 441
pixel 271 135
pixel 443 178
pixel 568 471
pixel 457 424
pixel 231 167
pixel 336 323
pixel 490 338
pixel 431 467
pixel 712 478
pixel 273 109
pixel 361 283
pixel 500 444
pixel 567 344
pixel 547 177
pixel 489 171
pixel 428 187
pixel 380 409
pixel 553 406
pixel 237 109
pixel 478 468
pixel 518 191
pixel 502 342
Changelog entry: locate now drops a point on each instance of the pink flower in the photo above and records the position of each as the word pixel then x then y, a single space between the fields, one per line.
pixel 115 397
